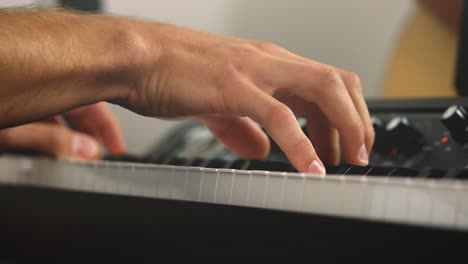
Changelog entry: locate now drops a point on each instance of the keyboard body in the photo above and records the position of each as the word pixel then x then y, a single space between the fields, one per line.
pixel 67 208
pixel 190 196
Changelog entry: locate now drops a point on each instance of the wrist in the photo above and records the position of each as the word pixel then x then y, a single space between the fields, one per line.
pixel 127 56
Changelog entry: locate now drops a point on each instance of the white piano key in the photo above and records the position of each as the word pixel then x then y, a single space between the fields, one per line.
pixel 256 192
pixel 396 202
pixel 69 176
pixel 273 190
pixel 354 198
pixel 240 188
pixel 133 184
pixel 53 179
pixel 192 188
pixel 122 178
pixel 312 201
pixel 4 170
pixel 151 175
pixel 375 194
pixel 419 205
pixel 141 182
pixel 209 177
pixel 41 168
pixel 81 176
pixel 225 181
pixel 462 208
pixel 102 179
pixel 164 181
pixel 23 175
pixel 153 179
pixel 25 166
pixel 293 193
pixel 88 178
pixel 178 182
pixel 443 206
pixel 332 196
pixel 411 201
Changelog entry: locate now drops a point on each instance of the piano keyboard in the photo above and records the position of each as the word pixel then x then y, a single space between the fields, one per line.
pixel 430 198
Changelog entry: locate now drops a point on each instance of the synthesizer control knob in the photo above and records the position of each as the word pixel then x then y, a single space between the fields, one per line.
pixel 455 118
pixel 403 137
pixel 381 144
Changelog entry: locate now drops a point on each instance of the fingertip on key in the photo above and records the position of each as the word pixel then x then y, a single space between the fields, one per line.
pixel 317 167
pixel 364 155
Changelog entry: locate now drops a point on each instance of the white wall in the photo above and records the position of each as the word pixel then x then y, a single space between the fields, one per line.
pixel 354 34
pixel 15 3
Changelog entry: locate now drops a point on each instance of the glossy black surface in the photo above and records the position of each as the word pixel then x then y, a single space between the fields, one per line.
pixel 69 226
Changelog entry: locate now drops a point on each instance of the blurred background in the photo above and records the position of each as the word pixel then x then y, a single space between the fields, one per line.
pixel 394 46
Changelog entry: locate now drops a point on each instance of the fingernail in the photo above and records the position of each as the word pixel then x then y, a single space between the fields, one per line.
pixel 363 155
pixel 316 167
pixel 84 147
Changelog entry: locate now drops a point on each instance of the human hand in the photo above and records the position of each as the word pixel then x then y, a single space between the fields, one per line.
pixel 228 83
pixel 92 125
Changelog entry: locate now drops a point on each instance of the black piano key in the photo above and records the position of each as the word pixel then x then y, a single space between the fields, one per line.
pixel 270 166
pixel 216 164
pixel 462 174
pixel 404 172
pixel 452 173
pixel 178 161
pixel 331 169
pixel 124 158
pixel 239 164
pixel 433 173
pixel 380 171
pixel 338 170
pixel 197 162
pixel 155 160
pixel 358 170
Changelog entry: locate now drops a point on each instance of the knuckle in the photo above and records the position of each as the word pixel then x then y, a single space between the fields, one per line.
pixel 265 46
pixel 280 114
pixel 228 86
pixel 332 79
pixel 246 51
pixel 353 80
pixel 228 74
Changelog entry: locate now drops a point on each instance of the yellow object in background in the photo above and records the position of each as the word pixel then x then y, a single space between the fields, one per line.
pixel 424 60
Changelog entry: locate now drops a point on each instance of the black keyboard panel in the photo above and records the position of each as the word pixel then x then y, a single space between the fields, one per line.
pixel 417 134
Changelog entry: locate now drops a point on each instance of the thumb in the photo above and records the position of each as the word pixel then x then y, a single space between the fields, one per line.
pixel 50 139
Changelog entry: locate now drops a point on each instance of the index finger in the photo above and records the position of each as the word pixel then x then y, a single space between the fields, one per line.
pixel 281 123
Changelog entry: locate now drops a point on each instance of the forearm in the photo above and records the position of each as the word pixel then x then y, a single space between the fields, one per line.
pixel 53 61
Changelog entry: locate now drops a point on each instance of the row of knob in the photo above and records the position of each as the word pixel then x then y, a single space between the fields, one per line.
pixel 401 137
pixel 455 118
pixel 397 136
